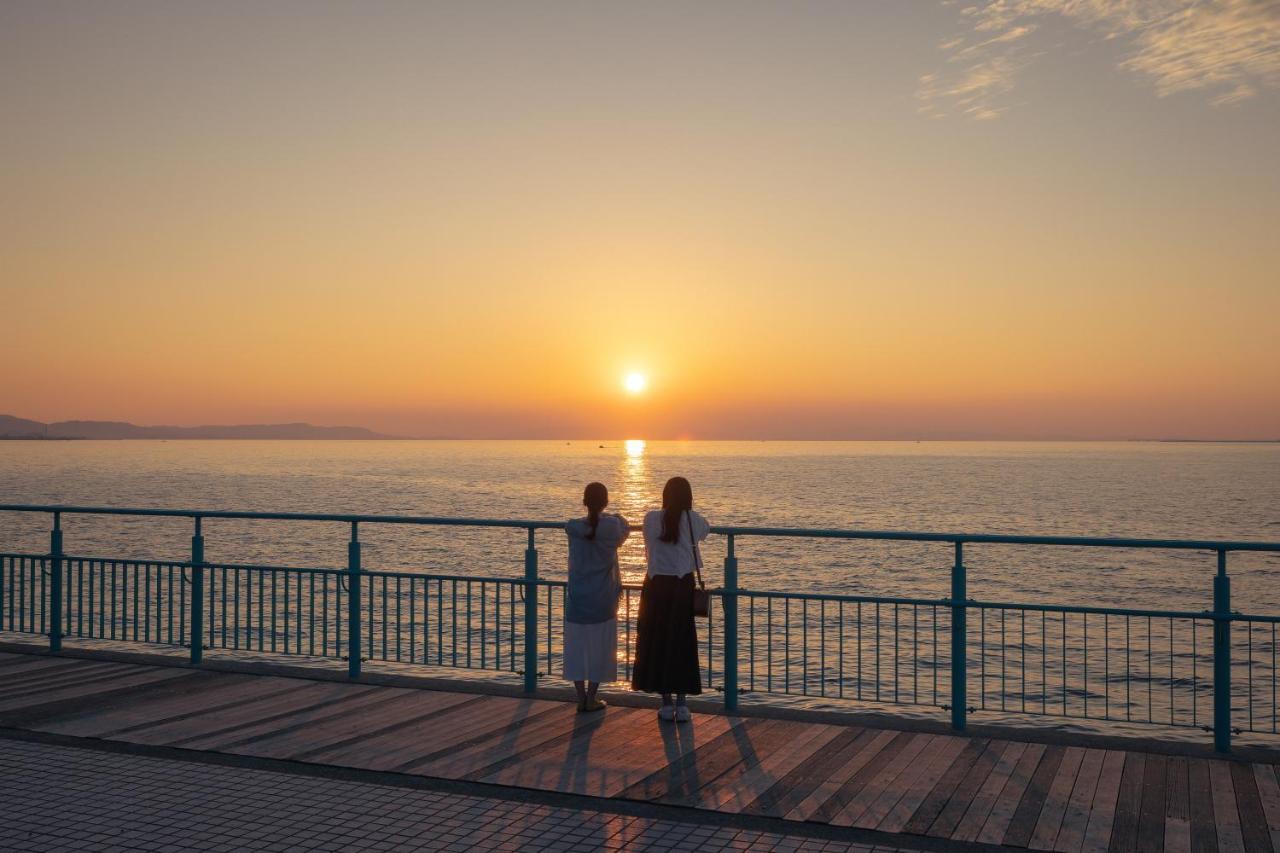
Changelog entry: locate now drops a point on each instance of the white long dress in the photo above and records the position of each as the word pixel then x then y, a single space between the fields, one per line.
pixel 591 651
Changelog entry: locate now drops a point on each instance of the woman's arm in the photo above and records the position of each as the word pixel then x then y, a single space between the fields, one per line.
pixel 701 527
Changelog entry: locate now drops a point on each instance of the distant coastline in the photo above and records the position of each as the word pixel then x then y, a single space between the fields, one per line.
pixel 1215 440
pixel 21 429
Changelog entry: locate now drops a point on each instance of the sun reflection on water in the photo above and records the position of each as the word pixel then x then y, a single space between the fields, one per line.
pixel 635 499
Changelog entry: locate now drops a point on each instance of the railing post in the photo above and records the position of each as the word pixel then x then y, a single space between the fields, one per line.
pixel 531 616
pixel 1222 657
pixel 959 641
pixel 353 603
pixel 197 594
pixel 55 584
pixel 730 600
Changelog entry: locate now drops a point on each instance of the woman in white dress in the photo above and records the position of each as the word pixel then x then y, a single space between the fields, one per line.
pixel 591 597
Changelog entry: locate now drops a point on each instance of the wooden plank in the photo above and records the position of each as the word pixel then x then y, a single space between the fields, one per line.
pixel 1006 804
pixel 684 775
pixel 1028 811
pixel 682 778
pixel 733 791
pixel 875 800
pixel 72 678
pixel 904 807
pixel 1097 837
pixel 35 667
pixel 11 657
pixel 209 694
pixel 229 718
pixel 977 759
pixel 327 723
pixel 420 731
pixel 886 746
pixel 1124 825
pixel 565 761
pixel 799 793
pixel 1075 817
pixel 875 786
pixel 143 676
pixel 43 681
pixel 1044 833
pixel 1151 810
pixel 49 675
pixel 750 746
pixel 939 748
pixel 400 732
pixel 1004 756
pixel 1225 811
pixel 669 749
pixel 258 689
pixel 801 790
pixel 570 730
pixel 1177 807
pixel 23 666
pixel 1253 821
pixel 621 764
pixel 612 724
pixel 1204 826
pixel 1269 793
pixel 502 745
pixel 58 668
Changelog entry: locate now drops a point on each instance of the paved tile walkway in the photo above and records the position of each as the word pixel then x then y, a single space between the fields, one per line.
pixel 59 798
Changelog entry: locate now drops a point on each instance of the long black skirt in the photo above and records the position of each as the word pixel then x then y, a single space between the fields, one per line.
pixel 666 639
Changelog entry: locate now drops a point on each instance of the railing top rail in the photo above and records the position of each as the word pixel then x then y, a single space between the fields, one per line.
pixel 1003 538
pixel 345 518
pixel 795 532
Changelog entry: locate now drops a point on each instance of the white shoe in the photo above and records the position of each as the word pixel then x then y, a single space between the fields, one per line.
pixel 667 713
pixel 682 713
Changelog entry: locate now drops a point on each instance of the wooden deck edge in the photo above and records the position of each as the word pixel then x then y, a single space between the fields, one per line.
pixel 872 719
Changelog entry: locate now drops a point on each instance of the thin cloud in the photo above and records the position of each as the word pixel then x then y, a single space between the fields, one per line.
pixel 1229 50
pixel 975 91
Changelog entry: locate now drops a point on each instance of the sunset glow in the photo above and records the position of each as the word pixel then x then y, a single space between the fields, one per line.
pixel 564 221
pixel 635 383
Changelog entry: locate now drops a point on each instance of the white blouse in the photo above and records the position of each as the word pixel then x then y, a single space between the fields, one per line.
pixel 672 558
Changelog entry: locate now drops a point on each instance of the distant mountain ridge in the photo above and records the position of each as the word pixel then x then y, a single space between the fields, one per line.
pixel 13 427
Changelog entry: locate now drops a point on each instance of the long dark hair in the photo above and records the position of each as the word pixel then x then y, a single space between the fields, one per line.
pixel 595 497
pixel 677 499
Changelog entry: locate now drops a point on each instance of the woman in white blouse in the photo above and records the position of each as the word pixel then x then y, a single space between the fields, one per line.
pixel 666 639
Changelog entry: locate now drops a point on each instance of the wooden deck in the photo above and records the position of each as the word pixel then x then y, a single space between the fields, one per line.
pixel 999 792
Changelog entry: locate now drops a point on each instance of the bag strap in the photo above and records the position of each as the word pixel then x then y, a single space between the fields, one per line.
pixel 697 555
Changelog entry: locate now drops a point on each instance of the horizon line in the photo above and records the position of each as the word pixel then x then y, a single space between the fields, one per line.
pixel 906 440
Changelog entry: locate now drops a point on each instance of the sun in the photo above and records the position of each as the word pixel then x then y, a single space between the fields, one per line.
pixel 635 383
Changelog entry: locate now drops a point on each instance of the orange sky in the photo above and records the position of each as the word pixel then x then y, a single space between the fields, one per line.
pixel 474 222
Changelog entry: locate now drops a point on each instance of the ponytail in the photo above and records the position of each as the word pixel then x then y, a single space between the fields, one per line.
pixel 595 498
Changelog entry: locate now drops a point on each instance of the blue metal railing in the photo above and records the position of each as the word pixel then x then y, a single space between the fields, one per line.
pixel 1178 668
